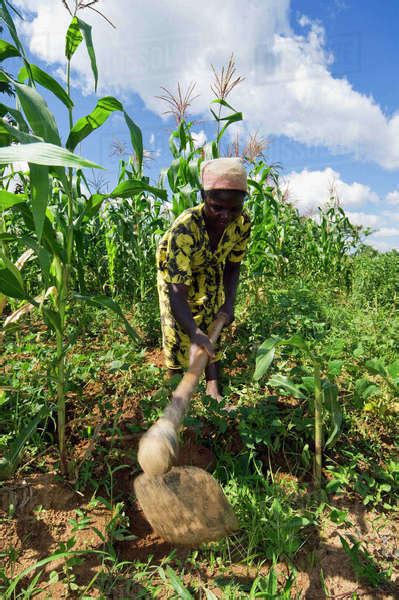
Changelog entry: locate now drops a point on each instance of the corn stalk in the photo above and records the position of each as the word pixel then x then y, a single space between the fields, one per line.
pixel 54 171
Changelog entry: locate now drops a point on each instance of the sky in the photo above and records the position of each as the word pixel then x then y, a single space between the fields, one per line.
pixel 320 87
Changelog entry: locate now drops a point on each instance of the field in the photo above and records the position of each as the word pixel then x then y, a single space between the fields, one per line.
pixel 304 443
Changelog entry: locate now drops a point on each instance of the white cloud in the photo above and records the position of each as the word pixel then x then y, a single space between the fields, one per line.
pixel 382 245
pixel 393 197
pixel 366 219
pixel 311 189
pixel 152 139
pixel 387 232
pixel 289 89
pixel 199 138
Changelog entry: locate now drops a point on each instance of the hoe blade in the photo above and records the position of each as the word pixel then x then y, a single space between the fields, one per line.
pixel 186 506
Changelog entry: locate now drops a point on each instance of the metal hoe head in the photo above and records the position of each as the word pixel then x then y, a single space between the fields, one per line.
pixel 186 506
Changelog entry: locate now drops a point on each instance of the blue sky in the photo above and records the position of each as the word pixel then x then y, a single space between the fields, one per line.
pixel 319 86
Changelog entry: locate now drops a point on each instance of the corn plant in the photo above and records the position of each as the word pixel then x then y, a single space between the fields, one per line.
pixel 30 133
pixel 325 391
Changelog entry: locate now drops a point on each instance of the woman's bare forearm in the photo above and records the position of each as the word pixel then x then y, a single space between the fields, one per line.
pixel 178 294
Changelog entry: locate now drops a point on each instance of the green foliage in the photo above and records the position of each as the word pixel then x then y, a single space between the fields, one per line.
pixel 376 277
pixel 69 250
pixel 363 564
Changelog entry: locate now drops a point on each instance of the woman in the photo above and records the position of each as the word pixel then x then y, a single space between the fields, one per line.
pixel 198 262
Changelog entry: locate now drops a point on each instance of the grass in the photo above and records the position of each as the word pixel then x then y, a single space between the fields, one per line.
pixel 262 450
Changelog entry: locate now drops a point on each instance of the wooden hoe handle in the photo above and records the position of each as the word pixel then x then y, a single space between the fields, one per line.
pixel 158 446
pixel 182 395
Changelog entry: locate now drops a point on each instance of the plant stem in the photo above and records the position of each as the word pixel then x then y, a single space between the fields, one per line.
pixel 318 426
pixel 61 402
pixel 62 301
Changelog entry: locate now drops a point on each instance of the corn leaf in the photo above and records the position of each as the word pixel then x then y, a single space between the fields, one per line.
pixel 49 236
pixel 17 134
pixel 85 28
pixel 6 17
pixel 103 109
pixel 73 38
pixel 42 254
pixel 46 81
pixel 229 120
pixel 282 381
pixel 11 284
pixel 264 357
pixel 52 318
pixel 136 138
pixel 330 401
pixel 82 128
pixel 40 190
pixel 7 50
pixel 38 115
pixel 42 153
pixel 107 302
pixel 16 115
pixel 7 199
pixel 222 103
pixel 131 187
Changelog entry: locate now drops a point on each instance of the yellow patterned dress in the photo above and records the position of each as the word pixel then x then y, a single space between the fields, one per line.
pixel 185 256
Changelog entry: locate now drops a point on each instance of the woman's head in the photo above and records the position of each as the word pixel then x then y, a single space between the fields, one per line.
pixel 224 186
pixel 224 174
pixel 221 207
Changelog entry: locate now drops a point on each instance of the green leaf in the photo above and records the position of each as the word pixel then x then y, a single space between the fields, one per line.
pixel 178 585
pixel 229 120
pixel 330 401
pixel 37 113
pixel 376 366
pixel 7 199
pixel 223 103
pixel 16 115
pixel 7 50
pixel 6 17
pixel 11 283
pixel 285 383
pixel 49 236
pixel 13 453
pixel 73 38
pixel 107 302
pixel 40 190
pixel 52 318
pixel 46 81
pixel 85 28
pixel 17 134
pixel 393 369
pixel 84 126
pixel 42 254
pixel 42 153
pixel 334 367
pixel 136 138
pixel 131 187
pixel 299 342
pixel 264 357
pixel 103 109
pixel 91 208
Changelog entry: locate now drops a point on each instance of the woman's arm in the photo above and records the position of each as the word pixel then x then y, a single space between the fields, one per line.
pixel 231 277
pixel 178 294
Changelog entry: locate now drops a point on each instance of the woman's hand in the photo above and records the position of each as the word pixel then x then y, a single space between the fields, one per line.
pixel 199 339
pixel 227 310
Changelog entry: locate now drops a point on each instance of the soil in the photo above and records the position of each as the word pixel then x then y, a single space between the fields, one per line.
pixel 38 513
